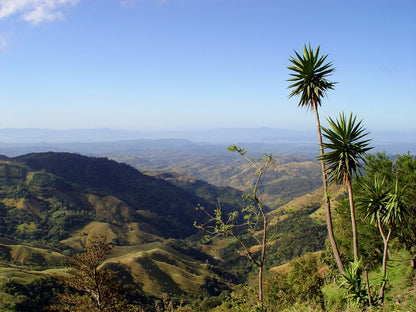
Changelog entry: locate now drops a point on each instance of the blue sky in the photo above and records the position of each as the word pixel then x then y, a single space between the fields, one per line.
pixel 200 64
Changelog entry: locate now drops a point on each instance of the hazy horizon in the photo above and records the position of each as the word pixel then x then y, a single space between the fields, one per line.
pixel 21 141
pixel 15 135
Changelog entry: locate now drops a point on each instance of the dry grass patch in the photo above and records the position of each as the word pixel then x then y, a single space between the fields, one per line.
pixel 216 245
pixel 26 255
pixel 109 207
pixel 91 231
pixel 31 205
pixel 158 269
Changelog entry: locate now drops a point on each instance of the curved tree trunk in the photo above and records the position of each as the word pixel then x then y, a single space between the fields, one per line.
pixel 334 246
pixel 386 240
pixel 353 221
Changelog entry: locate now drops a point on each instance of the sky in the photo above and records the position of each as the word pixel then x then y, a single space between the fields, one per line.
pixel 201 64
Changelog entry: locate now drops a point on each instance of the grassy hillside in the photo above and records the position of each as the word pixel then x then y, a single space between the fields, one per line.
pixel 153 269
pixel 51 204
pixel 293 175
pixel 46 195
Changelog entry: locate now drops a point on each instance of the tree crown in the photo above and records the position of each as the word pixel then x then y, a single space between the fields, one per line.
pixel 309 76
pixel 347 147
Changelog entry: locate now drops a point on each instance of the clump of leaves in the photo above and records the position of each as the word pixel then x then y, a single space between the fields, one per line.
pixel 352 282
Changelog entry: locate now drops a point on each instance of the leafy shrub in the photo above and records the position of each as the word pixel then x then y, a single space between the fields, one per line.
pixel 301 284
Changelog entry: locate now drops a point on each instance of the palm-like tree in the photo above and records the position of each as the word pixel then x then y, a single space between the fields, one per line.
pixel 347 146
pixel 384 205
pixel 394 213
pixel 309 76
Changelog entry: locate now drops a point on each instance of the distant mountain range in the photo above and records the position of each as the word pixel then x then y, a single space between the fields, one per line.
pixel 15 142
pixel 216 136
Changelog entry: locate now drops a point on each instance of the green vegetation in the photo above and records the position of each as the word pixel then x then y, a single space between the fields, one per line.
pixel 47 219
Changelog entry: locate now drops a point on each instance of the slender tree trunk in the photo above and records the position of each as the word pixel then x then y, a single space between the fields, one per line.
pixel 386 240
pixel 263 249
pixel 353 221
pixel 367 284
pixel 261 285
pixel 334 246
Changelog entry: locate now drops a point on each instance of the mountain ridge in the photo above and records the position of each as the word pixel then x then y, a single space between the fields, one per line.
pixel 173 207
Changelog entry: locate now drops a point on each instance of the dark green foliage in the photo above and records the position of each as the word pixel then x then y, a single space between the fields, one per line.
pixel 402 171
pixel 47 180
pixel 385 212
pixel 16 190
pixel 4 253
pixel 46 209
pixel 370 247
pixel 213 287
pixel 53 223
pixel 11 173
pixel 380 165
pixel 406 173
pixel 296 235
pixel 354 284
pixel 34 296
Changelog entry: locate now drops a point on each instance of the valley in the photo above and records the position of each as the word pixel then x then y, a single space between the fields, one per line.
pixel 52 204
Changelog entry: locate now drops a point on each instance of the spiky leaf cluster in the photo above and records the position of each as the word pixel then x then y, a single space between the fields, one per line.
pixel 309 76
pixel 347 147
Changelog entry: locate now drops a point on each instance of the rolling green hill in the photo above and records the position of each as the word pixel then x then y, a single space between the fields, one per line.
pixel 67 191
pixel 52 203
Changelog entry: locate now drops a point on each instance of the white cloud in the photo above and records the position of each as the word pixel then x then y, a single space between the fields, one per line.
pixel 34 11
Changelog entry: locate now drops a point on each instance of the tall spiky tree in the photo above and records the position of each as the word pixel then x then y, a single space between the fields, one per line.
pixel 347 147
pixel 309 76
